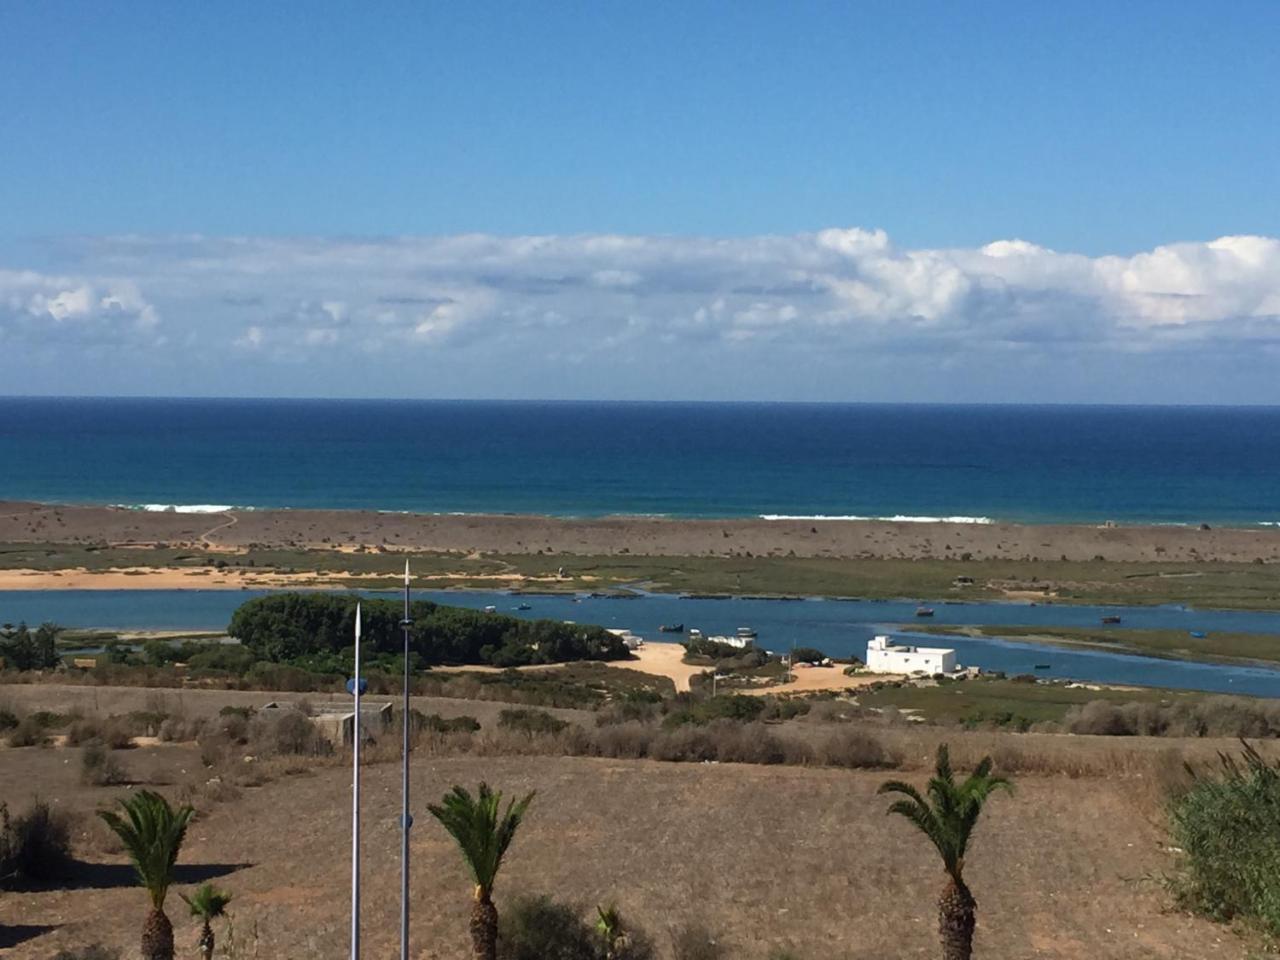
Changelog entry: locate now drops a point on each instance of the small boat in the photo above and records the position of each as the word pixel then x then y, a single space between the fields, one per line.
pixel 746 633
pixel 1198 634
pixel 490 609
pixel 672 628
pixel 524 606
pixel 924 611
pixel 1111 619
pixel 1043 666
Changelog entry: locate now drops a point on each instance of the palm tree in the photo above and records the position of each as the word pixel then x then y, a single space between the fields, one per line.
pixel 207 903
pixel 612 933
pixel 152 834
pixel 483 837
pixel 947 818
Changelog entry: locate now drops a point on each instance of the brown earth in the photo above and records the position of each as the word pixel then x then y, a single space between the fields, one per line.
pixel 511 534
pixel 766 857
pixel 801 858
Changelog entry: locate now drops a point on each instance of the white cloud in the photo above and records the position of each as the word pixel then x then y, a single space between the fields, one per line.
pixel 518 302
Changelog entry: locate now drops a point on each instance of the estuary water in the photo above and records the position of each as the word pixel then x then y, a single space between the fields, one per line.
pixel 838 627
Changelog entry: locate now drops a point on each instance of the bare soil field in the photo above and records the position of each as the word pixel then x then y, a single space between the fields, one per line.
pixel 766 857
pixel 515 534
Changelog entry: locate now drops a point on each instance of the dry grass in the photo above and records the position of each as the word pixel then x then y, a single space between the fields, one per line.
pixel 762 857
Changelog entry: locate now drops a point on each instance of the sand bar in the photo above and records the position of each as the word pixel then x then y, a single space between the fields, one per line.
pixel 236 530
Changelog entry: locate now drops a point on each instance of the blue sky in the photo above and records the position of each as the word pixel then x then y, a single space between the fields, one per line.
pixel 288 188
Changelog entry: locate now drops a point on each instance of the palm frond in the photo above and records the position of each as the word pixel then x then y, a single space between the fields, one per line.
pixel 207 902
pixel 152 833
pixel 481 832
pixel 950 812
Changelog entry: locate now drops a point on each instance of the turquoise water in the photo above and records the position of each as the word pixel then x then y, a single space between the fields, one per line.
pixel 1035 464
pixel 838 627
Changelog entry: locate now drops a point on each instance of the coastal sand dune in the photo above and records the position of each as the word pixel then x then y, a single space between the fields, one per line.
pixel 511 534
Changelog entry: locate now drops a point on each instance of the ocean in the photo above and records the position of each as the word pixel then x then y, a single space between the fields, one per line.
pixel 1035 464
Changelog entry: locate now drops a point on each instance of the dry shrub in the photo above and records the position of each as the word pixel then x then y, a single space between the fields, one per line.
pixel 100 768
pixel 623 741
pixel 181 729
pixel 29 732
pixel 287 733
pixel 1211 717
pixel 35 846
pixel 853 748
pixel 111 733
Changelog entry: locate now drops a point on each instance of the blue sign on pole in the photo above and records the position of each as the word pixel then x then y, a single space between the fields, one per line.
pixel 364 686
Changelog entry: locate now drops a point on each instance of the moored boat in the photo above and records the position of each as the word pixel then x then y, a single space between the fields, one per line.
pixel 672 628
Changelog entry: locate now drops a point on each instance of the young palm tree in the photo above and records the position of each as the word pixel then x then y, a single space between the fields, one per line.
pixel 483 837
pixel 207 903
pixel 152 833
pixel 947 818
pixel 612 933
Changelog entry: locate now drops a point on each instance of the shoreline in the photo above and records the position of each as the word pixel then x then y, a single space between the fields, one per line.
pixel 236 530
pixel 211 509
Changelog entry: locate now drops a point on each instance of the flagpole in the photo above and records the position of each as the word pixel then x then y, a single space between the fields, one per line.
pixel 406 820
pixel 355 803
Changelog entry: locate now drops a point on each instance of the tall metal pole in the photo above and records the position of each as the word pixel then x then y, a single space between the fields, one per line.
pixel 355 803
pixel 406 820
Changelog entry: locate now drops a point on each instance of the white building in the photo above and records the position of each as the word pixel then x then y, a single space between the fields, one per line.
pixel 885 656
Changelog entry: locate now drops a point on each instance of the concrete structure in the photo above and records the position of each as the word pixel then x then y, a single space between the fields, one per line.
pixel 885 656
pixel 336 721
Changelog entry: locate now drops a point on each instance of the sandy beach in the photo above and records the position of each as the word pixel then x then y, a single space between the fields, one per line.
pixel 235 531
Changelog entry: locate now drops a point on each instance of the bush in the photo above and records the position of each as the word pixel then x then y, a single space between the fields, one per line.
pixel 531 721
pixel 732 707
pixel 1227 827
pixel 100 768
pixel 8 719
pixel 28 733
pixel 34 847
pixel 111 733
pixel 438 724
pixel 288 734
pixel 852 748
pixel 539 928
pixel 807 655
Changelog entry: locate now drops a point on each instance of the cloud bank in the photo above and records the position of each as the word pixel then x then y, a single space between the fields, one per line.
pixel 602 315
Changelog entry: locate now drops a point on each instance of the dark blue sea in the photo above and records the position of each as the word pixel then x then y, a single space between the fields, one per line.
pixel 1023 463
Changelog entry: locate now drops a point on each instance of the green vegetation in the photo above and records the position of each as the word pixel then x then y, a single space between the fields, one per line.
pixel 947 818
pixel 315 630
pixel 152 833
pixel 483 836
pixel 207 904
pixel 733 707
pixel 21 649
pixel 35 846
pixel 1242 585
pixel 1174 644
pixel 539 928
pixel 1226 825
pixel 1011 703
pixel 531 721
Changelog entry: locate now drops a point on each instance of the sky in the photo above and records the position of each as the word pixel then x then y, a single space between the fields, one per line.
pixel 997 202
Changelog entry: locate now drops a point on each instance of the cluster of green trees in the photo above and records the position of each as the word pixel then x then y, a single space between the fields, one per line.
pixel 315 630
pixel 23 649
pixel 152 831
